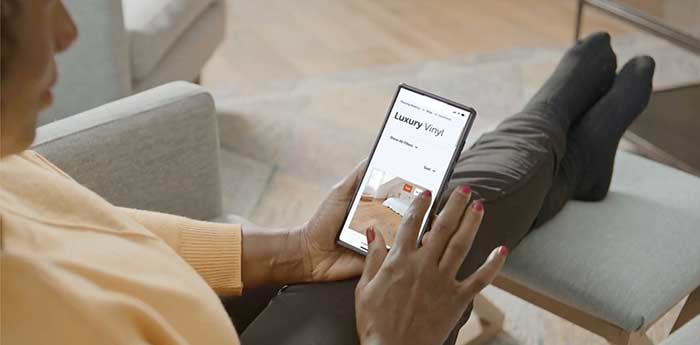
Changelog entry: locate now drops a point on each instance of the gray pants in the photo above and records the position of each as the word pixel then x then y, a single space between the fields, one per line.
pixel 511 169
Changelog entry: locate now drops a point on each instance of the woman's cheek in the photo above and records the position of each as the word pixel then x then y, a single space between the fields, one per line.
pixel 37 57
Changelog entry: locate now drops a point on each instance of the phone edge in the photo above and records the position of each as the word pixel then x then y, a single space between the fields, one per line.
pixel 453 161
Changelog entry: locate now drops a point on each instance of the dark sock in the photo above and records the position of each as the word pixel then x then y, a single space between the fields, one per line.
pixel 583 75
pixel 595 138
pixel 586 169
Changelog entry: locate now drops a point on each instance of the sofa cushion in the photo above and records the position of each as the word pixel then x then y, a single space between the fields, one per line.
pixel 185 58
pixel 626 260
pixel 154 25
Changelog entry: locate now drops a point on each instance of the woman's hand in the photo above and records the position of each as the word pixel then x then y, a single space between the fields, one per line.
pixel 323 258
pixel 409 294
pixel 305 254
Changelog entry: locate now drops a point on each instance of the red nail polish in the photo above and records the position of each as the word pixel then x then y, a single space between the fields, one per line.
pixel 477 206
pixel 464 189
pixel 503 251
pixel 426 194
pixel 370 235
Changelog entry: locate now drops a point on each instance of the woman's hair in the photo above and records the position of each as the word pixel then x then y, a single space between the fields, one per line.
pixel 8 9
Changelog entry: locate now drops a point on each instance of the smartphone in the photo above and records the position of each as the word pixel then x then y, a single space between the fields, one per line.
pixel 417 147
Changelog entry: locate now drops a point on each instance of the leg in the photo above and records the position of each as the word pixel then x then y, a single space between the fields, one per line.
pixel 636 338
pixel 511 169
pixel 490 323
pixel 507 219
pixel 640 339
pixel 244 309
pixel 579 16
pixel 584 172
pixel 307 314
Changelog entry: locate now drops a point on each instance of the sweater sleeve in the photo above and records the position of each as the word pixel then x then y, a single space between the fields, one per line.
pixel 212 249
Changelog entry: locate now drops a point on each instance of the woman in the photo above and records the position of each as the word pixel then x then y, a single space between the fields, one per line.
pixel 78 269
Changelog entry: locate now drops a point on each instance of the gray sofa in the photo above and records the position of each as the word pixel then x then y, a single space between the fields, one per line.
pixel 157 150
pixel 126 46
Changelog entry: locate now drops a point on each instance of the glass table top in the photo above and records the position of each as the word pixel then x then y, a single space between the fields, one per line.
pixel 674 20
pixel 681 15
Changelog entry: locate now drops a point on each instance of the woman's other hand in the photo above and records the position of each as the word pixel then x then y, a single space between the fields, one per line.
pixel 409 294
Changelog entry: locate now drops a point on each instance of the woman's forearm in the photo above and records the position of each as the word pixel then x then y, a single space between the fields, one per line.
pixel 271 256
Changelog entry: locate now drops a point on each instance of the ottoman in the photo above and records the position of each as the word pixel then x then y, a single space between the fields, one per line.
pixel 615 267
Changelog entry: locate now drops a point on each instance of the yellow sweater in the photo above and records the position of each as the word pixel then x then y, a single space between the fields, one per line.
pixel 78 270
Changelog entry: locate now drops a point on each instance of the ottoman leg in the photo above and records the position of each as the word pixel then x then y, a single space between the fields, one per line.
pixel 691 309
pixel 488 324
pixel 637 338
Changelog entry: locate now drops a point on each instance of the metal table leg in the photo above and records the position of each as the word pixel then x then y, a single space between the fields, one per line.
pixel 579 15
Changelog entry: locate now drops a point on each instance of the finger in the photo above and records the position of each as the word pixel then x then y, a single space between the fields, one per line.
pixel 344 189
pixel 447 222
pixel 375 255
pixel 407 236
pixel 485 274
pixel 461 242
pixel 426 239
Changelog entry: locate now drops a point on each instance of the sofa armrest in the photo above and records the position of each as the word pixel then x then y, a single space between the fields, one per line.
pixel 96 69
pixel 157 150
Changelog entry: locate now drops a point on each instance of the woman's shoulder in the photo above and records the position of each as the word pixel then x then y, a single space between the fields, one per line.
pixel 29 160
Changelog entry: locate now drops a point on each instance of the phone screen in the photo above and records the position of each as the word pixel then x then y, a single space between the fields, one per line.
pixel 421 139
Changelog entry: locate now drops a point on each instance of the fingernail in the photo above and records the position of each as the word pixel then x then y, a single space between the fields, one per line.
pixel 426 194
pixel 503 251
pixel 370 234
pixel 477 206
pixel 464 189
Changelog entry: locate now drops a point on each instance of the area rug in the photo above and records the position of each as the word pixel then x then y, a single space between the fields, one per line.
pixel 286 143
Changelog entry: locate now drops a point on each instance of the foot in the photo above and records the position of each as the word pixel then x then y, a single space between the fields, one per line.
pixel 584 74
pixel 592 142
pixel 586 169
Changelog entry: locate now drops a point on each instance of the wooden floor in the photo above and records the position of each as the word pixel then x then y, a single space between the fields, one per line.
pixel 276 40
pixel 381 217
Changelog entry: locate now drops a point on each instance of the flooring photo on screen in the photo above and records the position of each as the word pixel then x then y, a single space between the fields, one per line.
pixel 384 200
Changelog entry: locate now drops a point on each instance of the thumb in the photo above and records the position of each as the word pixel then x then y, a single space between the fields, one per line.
pixel 485 274
pixel 345 188
pixel 375 255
